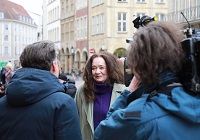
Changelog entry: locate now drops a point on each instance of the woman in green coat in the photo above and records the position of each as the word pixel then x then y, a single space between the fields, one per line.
pixel 103 83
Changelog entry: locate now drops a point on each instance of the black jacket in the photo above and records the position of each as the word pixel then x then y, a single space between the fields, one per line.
pixel 69 85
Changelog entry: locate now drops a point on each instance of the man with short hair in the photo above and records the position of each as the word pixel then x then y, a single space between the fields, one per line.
pixel 35 106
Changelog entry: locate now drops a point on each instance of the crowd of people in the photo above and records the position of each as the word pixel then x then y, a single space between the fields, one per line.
pixel 41 103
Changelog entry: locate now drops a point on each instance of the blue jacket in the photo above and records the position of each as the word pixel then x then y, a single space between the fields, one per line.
pixel 35 107
pixel 153 117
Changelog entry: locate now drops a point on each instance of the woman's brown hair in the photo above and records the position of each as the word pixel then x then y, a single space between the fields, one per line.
pixel 155 48
pixel 114 72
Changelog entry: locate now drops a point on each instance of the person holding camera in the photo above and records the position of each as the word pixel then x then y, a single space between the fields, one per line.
pixel 103 83
pixel 69 84
pixel 35 106
pixel 156 106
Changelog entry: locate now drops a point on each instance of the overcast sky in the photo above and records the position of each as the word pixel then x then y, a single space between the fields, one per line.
pixel 34 6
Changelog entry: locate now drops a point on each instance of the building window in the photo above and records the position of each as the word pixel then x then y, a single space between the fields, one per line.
pixel 5 26
pixel 20 17
pixel 82 28
pixel 81 3
pixel 5 37
pixel 97 2
pixel 85 27
pixel 122 22
pixel 93 25
pixel 101 23
pixel 6 50
pixel 98 24
pixel 78 28
pixel 141 0
pixel 159 1
pixel 197 8
pixel 15 51
pixel 1 15
pixel 160 16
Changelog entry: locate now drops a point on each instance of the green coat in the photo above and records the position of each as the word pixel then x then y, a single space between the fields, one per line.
pixel 85 110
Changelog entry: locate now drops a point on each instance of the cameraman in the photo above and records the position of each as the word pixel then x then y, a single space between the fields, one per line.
pixel 68 84
pixel 156 105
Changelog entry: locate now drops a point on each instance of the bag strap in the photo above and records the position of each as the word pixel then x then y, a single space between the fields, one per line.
pixel 164 89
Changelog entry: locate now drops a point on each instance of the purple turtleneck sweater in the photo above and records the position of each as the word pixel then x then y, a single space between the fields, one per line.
pixel 103 94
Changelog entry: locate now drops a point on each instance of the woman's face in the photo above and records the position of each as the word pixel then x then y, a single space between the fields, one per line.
pixel 7 69
pixel 99 70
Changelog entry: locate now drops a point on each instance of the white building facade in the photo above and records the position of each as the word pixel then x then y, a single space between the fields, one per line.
pixel 17 29
pixel 52 18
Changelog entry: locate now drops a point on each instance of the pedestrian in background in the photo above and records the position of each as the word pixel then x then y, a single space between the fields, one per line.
pixel 156 106
pixel 2 89
pixel 103 83
pixel 9 73
pixel 69 84
pixel 35 106
pixel 2 82
pixel 3 72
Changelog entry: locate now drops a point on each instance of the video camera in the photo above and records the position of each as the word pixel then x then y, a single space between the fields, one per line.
pixel 138 22
pixel 190 74
pixel 141 22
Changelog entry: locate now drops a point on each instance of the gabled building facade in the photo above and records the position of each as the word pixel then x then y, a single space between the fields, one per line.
pixel 17 29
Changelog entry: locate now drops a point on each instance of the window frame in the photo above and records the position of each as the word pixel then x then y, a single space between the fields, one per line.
pixel 6 50
pixel 6 26
pixel 122 22
pixel 159 1
pixel 122 0
pixel 161 16
pixel 141 0
pixel 6 38
pixel 1 15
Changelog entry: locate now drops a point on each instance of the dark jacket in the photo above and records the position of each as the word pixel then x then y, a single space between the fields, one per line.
pixel 155 116
pixel 3 72
pixel 36 108
pixel 69 85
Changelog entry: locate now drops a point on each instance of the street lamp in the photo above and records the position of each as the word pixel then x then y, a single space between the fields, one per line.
pixel 103 47
pixel 72 51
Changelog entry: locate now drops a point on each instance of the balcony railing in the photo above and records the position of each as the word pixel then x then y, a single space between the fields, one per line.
pixel 192 14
